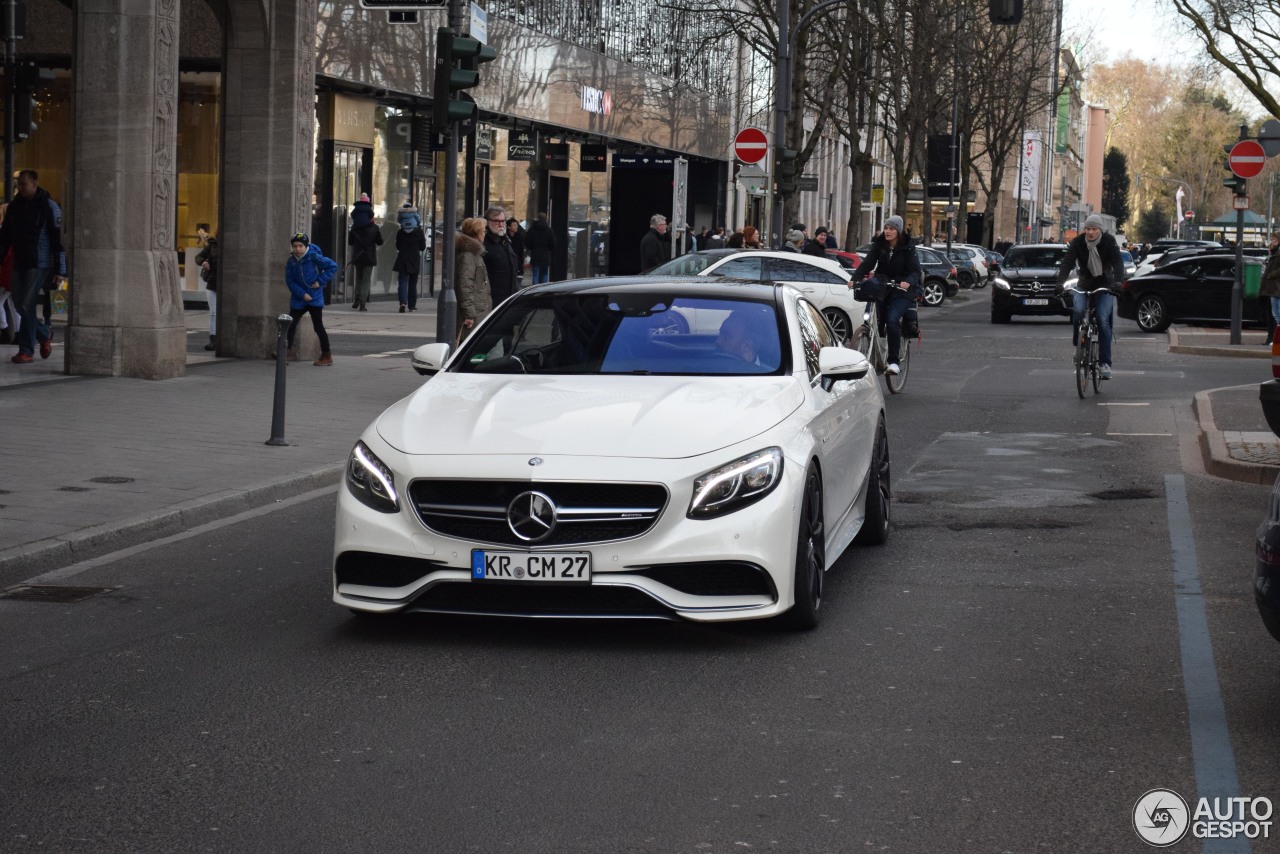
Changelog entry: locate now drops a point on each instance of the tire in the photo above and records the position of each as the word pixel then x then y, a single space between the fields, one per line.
pixel 810 566
pixel 897 382
pixel 1082 368
pixel 875 523
pixel 1270 619
pixel 1000 316
pixel 935 293
pixel 1151 314
pixel 980 283
pixel 840 323
pixel 1094 371
pixel 861 342
pixel 965 278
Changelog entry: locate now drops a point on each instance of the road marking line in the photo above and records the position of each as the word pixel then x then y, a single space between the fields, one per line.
pixel 1139 434
pixel 1211 756
pixel 1125 404
pixel 388 354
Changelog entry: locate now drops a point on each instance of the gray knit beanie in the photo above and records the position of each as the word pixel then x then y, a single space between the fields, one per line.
pixel 1094 221
pixel 894 221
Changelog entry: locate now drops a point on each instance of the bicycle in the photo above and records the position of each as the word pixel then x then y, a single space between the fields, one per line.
pixel 1086 358
pixel 874 344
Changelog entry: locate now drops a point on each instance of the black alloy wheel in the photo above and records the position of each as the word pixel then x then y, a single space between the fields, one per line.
pixel 875 523
pixel 1151 314
pixel 965 278
pixel 840 324
pixel 1000 316
pixel 811 558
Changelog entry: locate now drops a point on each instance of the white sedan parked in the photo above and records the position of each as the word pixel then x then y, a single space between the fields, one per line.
pixel 823 280
pixel 579 457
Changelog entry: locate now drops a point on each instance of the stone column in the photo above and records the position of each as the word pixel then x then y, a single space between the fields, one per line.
pixel 267 166
pixel 126 304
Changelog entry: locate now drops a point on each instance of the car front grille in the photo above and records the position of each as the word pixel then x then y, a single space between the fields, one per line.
pixel 476 510
pixel 378 570
pixel 1034 288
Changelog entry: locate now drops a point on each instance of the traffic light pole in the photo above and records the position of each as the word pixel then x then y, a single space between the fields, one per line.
pixel 1237 287
pixel 447 301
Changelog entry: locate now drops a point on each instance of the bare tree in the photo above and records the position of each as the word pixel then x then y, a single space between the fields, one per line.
pixel 1242 36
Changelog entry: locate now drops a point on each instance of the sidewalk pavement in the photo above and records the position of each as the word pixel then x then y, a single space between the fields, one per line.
pixel 98 464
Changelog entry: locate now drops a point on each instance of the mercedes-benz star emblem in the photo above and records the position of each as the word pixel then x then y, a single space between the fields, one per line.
pixel 536 461
pixel 531 516
pixel 1035 287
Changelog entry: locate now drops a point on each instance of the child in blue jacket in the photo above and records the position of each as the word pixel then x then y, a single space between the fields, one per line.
pixel 306 273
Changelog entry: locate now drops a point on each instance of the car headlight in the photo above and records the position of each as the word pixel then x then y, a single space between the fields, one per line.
pixel 1001 283
pixel 736 485
pixel 371 481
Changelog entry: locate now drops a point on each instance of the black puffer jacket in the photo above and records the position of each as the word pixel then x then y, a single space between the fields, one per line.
pixel 892 263
pixel 1078 258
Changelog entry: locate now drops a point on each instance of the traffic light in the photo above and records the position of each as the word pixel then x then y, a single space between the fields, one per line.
pixel 786 171
pixel 457 58
pixel 1233 181
pixel 1004 11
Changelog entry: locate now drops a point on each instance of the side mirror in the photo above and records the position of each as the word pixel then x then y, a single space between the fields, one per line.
pixel 429 359
pixel 841 363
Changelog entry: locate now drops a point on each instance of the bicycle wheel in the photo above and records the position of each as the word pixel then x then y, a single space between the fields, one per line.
pixel 861 341
pixel 897 382
pixel 1094 372
pixel 1082 365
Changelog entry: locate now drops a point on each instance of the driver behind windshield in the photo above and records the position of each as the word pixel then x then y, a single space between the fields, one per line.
pixel 740 336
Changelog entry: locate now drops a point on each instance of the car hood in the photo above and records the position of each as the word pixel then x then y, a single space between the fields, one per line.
pixel 654 417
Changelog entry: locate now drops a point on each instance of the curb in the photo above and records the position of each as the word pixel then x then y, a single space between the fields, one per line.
pixel 57 552
pixel 1237 351
pixel 1213 448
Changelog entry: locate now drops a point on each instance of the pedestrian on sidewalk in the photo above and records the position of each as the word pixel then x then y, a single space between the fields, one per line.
pixel 471 276
pixel 33 230
pixel 1270 286
pixel 499 258
pixel 655 246
pixel 306 273
pixel 517 235
pixel 207 260
pixel 541 243
pixel 411 242
pixel 364 238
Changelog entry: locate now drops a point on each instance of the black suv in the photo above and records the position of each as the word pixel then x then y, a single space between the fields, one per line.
pixel 1028 283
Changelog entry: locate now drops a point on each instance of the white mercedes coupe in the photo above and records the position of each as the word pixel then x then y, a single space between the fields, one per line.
pixel 581 455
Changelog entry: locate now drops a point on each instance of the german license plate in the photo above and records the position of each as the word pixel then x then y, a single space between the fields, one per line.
pixel 1035 302
pixel 542 567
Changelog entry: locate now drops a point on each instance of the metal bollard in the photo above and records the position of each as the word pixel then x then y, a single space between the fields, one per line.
pixel 282 357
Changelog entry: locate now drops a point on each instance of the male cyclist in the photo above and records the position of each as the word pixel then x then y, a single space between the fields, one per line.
pixel 1096 255
pixel 893 260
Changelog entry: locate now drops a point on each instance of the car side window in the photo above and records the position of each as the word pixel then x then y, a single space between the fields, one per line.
pixel 787 270
pixel 814 335
pixel 740 268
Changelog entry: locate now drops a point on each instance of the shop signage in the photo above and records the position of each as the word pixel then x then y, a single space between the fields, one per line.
pixel 554 156
pixel 597 101
pixel 594 158
pixel 400 133
pixel 643 161
pixel 350 119
pixel 479 24
pixel 522 145
pixel 484 143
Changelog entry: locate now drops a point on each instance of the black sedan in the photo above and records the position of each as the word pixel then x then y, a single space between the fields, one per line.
pixel 1196 289
pixel 1266 563
pixel 1028 283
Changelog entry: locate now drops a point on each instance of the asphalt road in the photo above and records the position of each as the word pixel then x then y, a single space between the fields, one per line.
pixel 1007 674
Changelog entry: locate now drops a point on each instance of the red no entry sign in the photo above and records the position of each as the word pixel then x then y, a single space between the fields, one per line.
pixel 1247 158
pixel 750 145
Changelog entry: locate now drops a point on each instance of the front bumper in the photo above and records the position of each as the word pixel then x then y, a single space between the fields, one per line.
pixel 1031 299
pixel 734 567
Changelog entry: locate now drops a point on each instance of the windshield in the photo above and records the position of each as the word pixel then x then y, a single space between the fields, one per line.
pixel 627 333
pixel 1035 256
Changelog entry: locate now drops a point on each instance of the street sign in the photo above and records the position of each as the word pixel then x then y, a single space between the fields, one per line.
pixel 1247 158
pixel 750 145
pixel 753 178
pixel 1269 136
pixel 1190 214
pixel 807 183
pixel 1240 203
